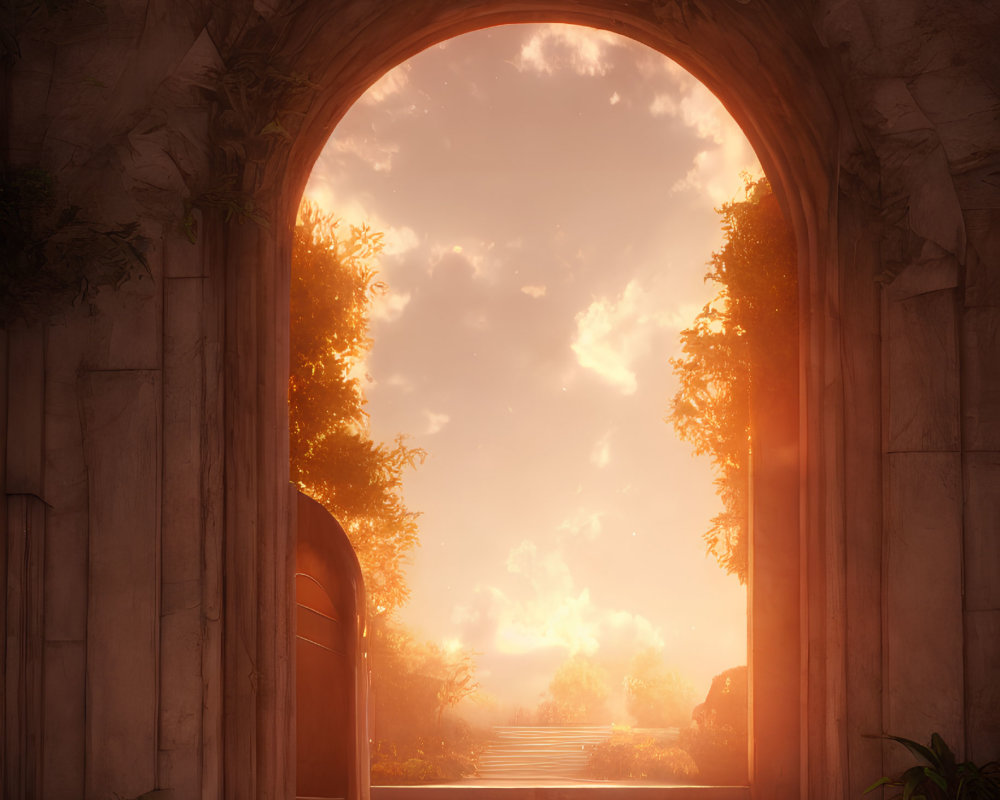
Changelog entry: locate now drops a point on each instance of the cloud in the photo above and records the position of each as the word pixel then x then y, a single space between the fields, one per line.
pixel 559 47
pixel 625 632
pixel 477 256
pixel 712 173
pixel 682 316
pixel 583 522
pixel 390 306
pixel 400 382
pixel 615 99
pixel 548 571
pixel 553 613
pixel 545 610
pixel 351 210
pixel 600 456
pixel 476 320
pixel 376 154
pixel 715 170
pixel 534 291
pixel 393 82
pixel 612 335
pixel 397 241
pixel 435 422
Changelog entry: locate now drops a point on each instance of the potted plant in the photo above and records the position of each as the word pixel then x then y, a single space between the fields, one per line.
pixel 941 777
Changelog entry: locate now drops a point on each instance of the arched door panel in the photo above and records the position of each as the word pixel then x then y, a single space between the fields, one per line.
pixel 331 678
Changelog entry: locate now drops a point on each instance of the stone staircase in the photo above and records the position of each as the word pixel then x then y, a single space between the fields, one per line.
pixel 538 753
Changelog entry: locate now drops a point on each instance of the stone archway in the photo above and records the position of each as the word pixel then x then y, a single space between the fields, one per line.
pixel 150 644
pixel 788 142
pixel 777 605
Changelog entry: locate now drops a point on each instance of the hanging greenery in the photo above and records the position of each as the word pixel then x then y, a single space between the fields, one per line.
pixel 51 256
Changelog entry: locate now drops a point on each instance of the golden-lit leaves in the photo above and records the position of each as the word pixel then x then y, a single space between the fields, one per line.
pixel 655 696
pixel 628 755
pixel 746 336
pixel 333 458
pixel 413 685
pixel 359 481
pixel 577 694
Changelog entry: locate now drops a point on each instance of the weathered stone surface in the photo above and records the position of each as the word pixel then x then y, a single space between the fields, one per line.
pixel 122 446
pixel 25 410
pixel 182 421
pixel 896 109
pixel 180 774
pixel 982 279
pixel 967 118
pixel 178 764
pixel 923 367
pixel 918 190
pixel 981 379
pixel 65 690
pixel 23 651
pixel 976 186
pixel 859 254
pixel 982 540
pixel 982 687
pixel 923 599
pixel 66 581
pixel 66 569
pixel 934 271
pixel 887 109
pixel 128 335
pixel 181 682
pixel 65 491
pixel 772 662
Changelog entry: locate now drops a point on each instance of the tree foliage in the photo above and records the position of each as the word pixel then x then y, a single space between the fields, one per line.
pixel 416 682
pixel 717 737
pixel 744 337
pixel 630 755
pixel 655 696
pixel 333 457
pixel 577 694
pixel 414 686
pixel 52 257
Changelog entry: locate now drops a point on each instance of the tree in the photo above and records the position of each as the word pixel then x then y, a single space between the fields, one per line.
pixel 744 337
pixel 333 457
pixel 629 755
pixel 416 682
pixel 359 481
pixel 717 737
pixel 577 694
pixel 414 686
pixel 655 696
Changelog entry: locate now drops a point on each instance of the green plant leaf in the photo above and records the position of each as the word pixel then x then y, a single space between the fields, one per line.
pixel 935 777
pixel 883 781
pixel 944 754
pixel 275 128
pixel 917 749
pixel 912 779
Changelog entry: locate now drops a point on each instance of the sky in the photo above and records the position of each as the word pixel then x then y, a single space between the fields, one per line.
pixel 547 195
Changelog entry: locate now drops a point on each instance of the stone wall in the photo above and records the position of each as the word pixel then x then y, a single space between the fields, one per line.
pixel 148 558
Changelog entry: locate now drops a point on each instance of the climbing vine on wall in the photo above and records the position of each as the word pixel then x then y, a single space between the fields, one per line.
pixel 254 99
pixel 746 335
pixel 51 255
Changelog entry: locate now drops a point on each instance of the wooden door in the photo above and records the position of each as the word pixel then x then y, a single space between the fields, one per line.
pixel 331 672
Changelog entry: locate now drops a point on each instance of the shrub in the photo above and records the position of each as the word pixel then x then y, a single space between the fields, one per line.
pixel 627 755
pixel 717 737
